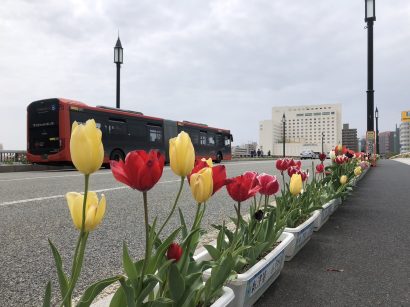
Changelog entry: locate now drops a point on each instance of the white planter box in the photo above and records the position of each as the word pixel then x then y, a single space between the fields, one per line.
pixel 324 215
pixel 302 235
pixel 249 286
pixel 336 203
pixel 222 301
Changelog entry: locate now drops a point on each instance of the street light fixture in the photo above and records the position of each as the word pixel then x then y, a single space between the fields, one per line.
pixel 376 114
pixel 118 59
pixel 284 133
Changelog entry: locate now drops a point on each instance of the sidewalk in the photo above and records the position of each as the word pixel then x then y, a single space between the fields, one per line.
pixel 361 256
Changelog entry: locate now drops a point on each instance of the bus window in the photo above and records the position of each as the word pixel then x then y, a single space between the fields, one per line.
pixel 227 140
pixel 211 140
pixel 155 134
pixel 117 128
pixel 202 138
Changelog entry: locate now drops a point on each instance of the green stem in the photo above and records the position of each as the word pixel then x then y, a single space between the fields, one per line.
pixel 238 212
pixel 147 243
pixel 76 266
pixel 173 207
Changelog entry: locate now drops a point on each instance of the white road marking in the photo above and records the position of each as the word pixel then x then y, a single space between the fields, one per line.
pixel 15 202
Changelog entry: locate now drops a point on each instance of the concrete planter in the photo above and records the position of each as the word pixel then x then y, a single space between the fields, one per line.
pixel 249 286
pixel 324 215
pixel 302 235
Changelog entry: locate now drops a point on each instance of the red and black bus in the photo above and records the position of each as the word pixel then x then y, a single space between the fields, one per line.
pixel 49 124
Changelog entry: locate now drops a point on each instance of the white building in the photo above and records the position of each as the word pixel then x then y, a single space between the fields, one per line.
pixel 304 128
pixel 405 137
pixel 244 150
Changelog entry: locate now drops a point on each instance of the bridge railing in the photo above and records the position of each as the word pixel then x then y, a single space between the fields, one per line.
pixel 13 156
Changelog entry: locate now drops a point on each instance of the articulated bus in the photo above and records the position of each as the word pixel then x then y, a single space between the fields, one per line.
pixel 49 124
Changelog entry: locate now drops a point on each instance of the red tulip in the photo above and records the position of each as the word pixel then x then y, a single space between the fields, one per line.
pixel 322 156
pixel 305 175
pixel 282 164
pixel 269 184
pixel 243 187
pixel 293 170
pixel 218 174
pixel 320 168
pixel 340 159
pixel 174 252
pixel 298 163
pixel 141 170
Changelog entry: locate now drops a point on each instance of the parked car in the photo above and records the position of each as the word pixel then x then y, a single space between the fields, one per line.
pixel 307 154
pixel 316 155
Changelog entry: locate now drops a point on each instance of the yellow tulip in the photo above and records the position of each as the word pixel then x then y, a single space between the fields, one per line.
pixel 209 162
pixel 94 209
pixel 202 184
pixel 295 185
pixel 343 179
pixel 181 154
pixel 87 151
pixel 358 171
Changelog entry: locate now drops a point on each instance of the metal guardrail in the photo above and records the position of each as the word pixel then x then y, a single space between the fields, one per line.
pixel 13 156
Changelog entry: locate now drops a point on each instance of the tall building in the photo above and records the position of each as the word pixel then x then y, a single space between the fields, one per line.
pixel 349 138
pixel 397 140
pixel 405 132
pixel 386 142
pixel 305 128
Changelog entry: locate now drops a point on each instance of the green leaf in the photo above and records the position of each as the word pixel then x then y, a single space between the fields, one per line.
pixel 176 283
pixel 221 273
pixel 215 254
pixel 128 264
pixel 162 249
pixel 47 296
pixel 146 290
pixel 159 302
pixel 183 224
pixel 62 278
pixel 119 299
pixel 128 293
pixel 95 289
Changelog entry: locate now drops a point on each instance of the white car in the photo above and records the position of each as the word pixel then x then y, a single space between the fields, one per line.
pixel 307 154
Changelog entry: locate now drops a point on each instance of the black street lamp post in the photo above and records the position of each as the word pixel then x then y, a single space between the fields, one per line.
pixel 376 115
pixel 323 139
pixel 284 133
pixel 118 57
pixel 370 17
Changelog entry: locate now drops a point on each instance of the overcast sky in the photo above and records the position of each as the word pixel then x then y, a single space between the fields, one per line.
pixel 225 63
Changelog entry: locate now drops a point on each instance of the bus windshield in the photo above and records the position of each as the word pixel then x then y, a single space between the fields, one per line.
pixel 43 127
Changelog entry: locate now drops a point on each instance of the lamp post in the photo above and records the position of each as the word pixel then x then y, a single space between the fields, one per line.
pixel 376 115
pixel 323 139
pixel 284 133
pixel 118 57
pixel 370 17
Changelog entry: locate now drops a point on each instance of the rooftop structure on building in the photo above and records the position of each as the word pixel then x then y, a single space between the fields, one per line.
pixel 349 137
pixel 305 128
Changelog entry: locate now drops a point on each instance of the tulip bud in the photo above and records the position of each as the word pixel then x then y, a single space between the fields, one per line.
pixel 181 154
pixel 357 171
pixel 94 209
pixel 322 156
pixel 202 184
pixel 343 179
pixel 320 168
pixel 295 185
pixel 174 252
pixel 209 161
pixel 86 148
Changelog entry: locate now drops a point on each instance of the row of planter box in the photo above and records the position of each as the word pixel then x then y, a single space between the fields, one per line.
pixel 248 287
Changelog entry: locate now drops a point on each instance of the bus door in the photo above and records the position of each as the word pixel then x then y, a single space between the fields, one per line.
pixel 170 131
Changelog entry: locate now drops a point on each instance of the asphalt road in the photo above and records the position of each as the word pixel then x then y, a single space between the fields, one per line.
pixel 33 208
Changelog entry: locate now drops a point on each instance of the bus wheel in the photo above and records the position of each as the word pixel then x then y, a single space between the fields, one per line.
pixel 218 157
pixel 117 155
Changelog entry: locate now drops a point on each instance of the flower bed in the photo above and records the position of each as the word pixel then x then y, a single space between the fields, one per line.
pixel 169 274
